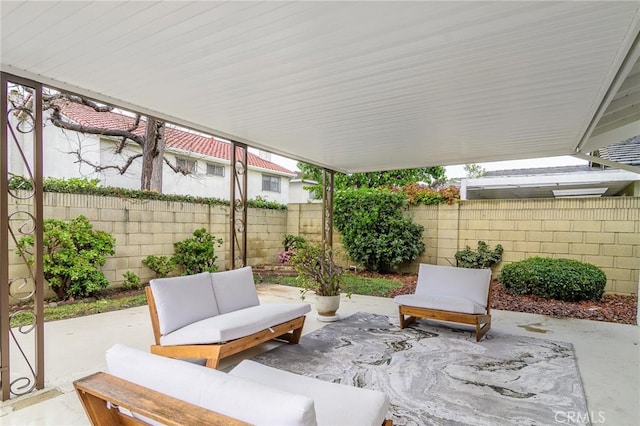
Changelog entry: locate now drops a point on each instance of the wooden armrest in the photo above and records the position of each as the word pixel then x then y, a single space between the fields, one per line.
pixel 97 389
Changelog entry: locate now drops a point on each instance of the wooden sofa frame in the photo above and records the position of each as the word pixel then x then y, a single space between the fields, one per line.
pixel 98 389
pixel 482 322
pixel 289 331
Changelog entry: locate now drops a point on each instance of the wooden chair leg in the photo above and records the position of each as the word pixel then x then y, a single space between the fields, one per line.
pixel 481 331
pixel 97 409
pixel 295 336
pixel 213 362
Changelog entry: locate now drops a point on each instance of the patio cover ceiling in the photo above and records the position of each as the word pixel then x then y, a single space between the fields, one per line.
pixel 351 86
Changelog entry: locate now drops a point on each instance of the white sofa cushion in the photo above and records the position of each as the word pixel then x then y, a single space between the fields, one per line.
pixel 436 280
pixel 183 300
pixel 237 397
pixel 236 324
pixel 234 289
pixel 443 303
pixel 335 404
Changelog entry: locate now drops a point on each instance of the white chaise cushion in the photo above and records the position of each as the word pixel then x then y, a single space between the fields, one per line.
pixel 237 397
pixel 236 324
pixel 183 300
pixel 234 289
pixel 335 404
pixel 450 281
pixel 442 303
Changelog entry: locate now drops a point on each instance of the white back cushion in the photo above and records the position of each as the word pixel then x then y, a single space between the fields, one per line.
pixel 211 389
pixel 183 300
pixel 336 404
pixel 234 289
pixel 436 280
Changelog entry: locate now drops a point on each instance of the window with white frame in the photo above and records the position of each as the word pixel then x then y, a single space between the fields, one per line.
pixel 186 165
pixel 215 170
pixel 271 183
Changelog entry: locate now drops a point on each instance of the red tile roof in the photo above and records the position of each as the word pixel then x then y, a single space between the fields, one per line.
pixel 175 138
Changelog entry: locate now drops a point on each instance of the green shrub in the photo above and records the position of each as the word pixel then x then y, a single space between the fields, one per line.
pixel 482 257
pixel 90 186
pixel 197 254
pixel 131 281
pixel 562 279
pixel 73 255
pixel 374 231
pixel 292 242
pixel 161 265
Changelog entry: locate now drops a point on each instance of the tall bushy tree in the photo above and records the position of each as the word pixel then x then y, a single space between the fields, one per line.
pixel 428 175
pixel 374 230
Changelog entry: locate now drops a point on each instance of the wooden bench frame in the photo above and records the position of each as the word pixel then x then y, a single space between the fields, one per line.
pixel 482 322
pixel 289 331
pixel 99 389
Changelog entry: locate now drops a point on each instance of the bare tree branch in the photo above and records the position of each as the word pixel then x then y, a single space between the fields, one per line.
pixel 58 121
pixel 98 167
pixel 48 99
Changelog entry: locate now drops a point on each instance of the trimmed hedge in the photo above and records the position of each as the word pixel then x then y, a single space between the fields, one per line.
pixel 561 279
pixel 90 187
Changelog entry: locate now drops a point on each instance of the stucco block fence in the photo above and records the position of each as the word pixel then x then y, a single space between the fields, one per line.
pixel 601 231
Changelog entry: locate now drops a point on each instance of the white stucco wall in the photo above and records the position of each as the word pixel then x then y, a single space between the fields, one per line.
pixel 60 162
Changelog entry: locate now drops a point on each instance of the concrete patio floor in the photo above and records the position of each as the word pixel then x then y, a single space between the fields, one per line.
pixel 608 356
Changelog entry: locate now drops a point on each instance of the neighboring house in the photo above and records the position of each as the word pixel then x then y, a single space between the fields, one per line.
pixel 591 180
pixel 298 193
pixel 207 159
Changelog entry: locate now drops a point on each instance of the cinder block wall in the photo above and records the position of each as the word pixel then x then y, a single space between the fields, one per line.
pixel 146 227
pixel 601 231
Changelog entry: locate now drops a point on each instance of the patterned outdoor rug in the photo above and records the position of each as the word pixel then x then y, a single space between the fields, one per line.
pixel 439 376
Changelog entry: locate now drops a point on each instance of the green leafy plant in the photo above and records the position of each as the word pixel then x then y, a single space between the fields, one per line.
pixel 317 270
pixel 161 265
pixel 197 254
pixel 482 257
pixel 292 242
pixel 261 202
pixel 374 231
pixel 90 187
pixel 131 281
pixel 73 255
pixel 562 279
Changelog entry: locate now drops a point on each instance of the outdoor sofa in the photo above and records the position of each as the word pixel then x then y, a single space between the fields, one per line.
pixel 215 315
pixel 159 390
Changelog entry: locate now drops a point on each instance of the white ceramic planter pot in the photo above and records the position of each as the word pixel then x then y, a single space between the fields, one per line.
pixel 326 307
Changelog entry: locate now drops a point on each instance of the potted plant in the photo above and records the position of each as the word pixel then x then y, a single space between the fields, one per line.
pixel 320 274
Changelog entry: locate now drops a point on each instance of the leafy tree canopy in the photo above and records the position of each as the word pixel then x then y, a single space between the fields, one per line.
pixel 391 178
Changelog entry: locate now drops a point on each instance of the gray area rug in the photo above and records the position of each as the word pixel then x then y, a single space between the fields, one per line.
pixel 435 375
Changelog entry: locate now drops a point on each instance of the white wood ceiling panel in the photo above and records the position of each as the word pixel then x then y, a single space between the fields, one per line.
pixel 349 85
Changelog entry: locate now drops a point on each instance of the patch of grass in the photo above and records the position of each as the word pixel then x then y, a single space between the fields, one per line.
pixel 353 284
pixel 78 309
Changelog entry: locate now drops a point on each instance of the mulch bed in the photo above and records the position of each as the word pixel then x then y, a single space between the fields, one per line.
pixel 613 308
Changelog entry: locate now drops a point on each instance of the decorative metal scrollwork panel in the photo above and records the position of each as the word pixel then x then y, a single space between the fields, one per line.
pixel 21 285
pixel 238 208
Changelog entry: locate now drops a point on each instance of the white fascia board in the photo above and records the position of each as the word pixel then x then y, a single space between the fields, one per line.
pixel 534 181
